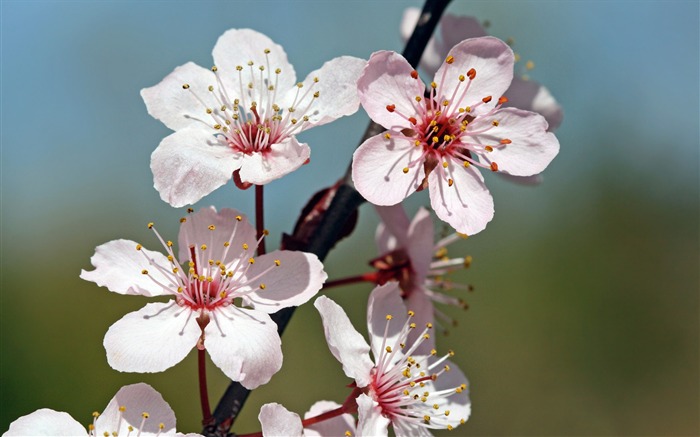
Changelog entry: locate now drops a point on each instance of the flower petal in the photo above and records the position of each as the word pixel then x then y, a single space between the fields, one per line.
pixel 119 266
pixel 244 344
pixel 384 301
pixel 467 205
pixel 281 159
pixel 456 28
pixel 377 169
pixel 337 426
pixel 227 228
pixel 277 421
pixel 386 80
pixel 371 422
pixel 46 422
pixel 433 55
pixel 458 403
pixel 296 279
pixel 424 313
pixel 136 399
pixel 493 61
pixel 337 88
pixel 532 96
pixel 345 343
pixel 420 247
pixel 531 147
pixel 179 108
pixel 239 47
pixel 191 163
pixel 152 339
pixel 392 229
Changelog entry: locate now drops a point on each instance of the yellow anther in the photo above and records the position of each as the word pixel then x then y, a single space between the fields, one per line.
pixel 214 69
pixel 95 414
pixel 461 78
pixel 227 244
pixel 412 326
pixel 239 218
pixel 405 170
pixel 433 352
pixel 466 164
pixel 139 247
pixel 222 295
pixel 445 102
pixel 211 262
pixel 185 86
pixel 418 98
pixel 130 428
pixel 389 317
pixel 144 272
pixel 300 85
pixel 411 313
pixel 436 406
pixel 348 434
pixel 211 227
pixel 426 418
pixel 488 148
pixel 245 246
pixel 450 182
pixel 122 408
pixel 251 260
pixel 444 164
pixel 426 336
pixel 388 349
pixel 447 412
pixel 203 247
pixel 412 384
pixel 262 286
pixel 450 427
pixel 462 421
pixel 468 108
pixel 161 425
pixel 278 71
pixel 266 232
pixel 150 225
pixel 316 94
pixel 277 262
pixel 217 126
pixel 180 289
pixel 250 63
pixel 170 258
pixel 433 85
pixel 145 415
pixel 91 427
pixel 435 139
pixel 406 392
pixel 450 59
pixel 529 65
pixel 387 135
pixel 495 123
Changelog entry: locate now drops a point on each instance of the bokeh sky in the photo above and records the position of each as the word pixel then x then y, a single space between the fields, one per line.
pixel 584 318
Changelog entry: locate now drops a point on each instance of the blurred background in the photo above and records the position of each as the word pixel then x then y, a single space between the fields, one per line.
pixel 584 318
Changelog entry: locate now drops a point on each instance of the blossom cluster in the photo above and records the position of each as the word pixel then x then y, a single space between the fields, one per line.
pixel 239 121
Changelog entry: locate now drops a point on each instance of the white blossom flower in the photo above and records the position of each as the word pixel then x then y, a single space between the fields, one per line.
pixel 242 115
pixel 222 297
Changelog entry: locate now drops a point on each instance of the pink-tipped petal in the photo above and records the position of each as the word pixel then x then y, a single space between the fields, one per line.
pixel 119 266
pixel 137 399
pixel 420 247
pixel 152 339
pixel 532 96
pixel 179 107
pixel 290 279
pixel 467 205
pixel 337 426
pixel 244 344
pixel 46 422
pixel 337 88
pixel 226 228
pixel 191 163
pixel 387 80
pixel 378 169
pixel 493 61
pixel 530 148
pixel 371 422
pixel 345 343
pixel 384 301
pixel 277 421
pixel 281 159
pixel 239 47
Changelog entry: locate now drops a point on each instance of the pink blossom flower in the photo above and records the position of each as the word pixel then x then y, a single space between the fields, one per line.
pixel 409 255
pixel 222 297
pixel 523 93
pixel 135 410
pixel 438 140
pixel 242 115
pixel 278 421
pixel 410 392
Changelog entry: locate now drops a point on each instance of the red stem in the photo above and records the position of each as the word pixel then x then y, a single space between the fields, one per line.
pixel 259 218
pixel 203 395
pixel 367 277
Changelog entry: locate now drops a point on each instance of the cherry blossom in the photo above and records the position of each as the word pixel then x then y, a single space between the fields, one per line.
pixel 223 296
pixel 242 115
pixel 135 410
pixel 438 139
pixel 278 421
pixel 412 393
pixel 523 93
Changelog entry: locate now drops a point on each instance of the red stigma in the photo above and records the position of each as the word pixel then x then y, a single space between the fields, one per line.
pixel 391 108
pixel 502 100
pixel 414 74
pixel 486 99
pixel 494 166
pixel 413 120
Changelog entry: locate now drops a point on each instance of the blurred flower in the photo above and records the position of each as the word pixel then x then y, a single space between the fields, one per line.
pixel 278 421
pixel 523 93
pixel 412 393
pixel 219 282
pixel 242 115
pixel 409 255
pixel 135 410
pixel 437 139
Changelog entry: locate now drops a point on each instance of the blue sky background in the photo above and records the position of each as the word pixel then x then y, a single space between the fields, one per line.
pixel 585 316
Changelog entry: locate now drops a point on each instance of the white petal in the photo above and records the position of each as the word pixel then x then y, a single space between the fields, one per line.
pixel 190 164
pixel 393 228
pixel 337 87
pixel 297 279
pixel 46 422
pixel 282 158
pixel 152 339
pixel 434 54
pixel 136 399
pixel 467 205
pixel 385 300
pixel 532 96
pixel 196 232
pixel 119 266
pixel 377 169
pixel 345 343
pixel 277 421
pixel 532 148
pixel 420 247
pixel 244 344
pixel 176 107
pixel 456 28
pixel 386 80
pixel 238 47
pixel 493 61
pixel 371 422
pixel 336 426
pixel 418 302
pixel 459 404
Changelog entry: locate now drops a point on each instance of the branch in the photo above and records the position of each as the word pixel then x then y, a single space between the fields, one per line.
pixel 345 202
